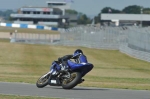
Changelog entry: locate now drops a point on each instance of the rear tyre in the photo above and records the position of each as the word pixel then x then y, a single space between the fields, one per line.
pixel 72 81
pixel 43 81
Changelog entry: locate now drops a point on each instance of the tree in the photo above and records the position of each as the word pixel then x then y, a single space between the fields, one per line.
pixel 133 9
pixel 6 14
pixel 83 19
pixel 69 11
pixel 97 18
pixel 146 10
pixel 110 10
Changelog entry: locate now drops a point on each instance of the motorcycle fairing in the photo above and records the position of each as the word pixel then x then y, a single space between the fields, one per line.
pixel 83 67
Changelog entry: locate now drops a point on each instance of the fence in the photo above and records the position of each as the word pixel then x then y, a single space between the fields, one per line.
pixel 35 38
pixel 138 43
pixel 133 41
pixel 107 38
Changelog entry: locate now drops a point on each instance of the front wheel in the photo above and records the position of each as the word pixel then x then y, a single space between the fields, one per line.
pixel 72 81
pixel 43 81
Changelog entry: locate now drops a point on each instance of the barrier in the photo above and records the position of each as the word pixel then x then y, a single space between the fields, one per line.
pixel 133 41
pixel 37 38
pixel 28 26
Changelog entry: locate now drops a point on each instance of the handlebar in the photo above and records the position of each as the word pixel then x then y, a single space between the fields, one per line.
pixel 76 56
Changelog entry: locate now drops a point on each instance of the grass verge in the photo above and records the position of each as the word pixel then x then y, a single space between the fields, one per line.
pixel 22 97
pixel 112 69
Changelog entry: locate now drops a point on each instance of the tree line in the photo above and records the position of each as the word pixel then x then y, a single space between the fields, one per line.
pixel 6 14
pixel 132 9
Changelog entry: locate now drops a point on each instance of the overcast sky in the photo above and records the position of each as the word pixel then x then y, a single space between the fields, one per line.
pixel 89 7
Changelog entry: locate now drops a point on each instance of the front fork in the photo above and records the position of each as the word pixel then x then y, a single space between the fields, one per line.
pixel 65 74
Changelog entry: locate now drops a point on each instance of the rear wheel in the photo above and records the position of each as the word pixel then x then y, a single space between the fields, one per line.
pixel 72 81
pixel 43 81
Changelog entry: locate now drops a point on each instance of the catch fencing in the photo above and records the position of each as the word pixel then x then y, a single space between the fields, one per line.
pixel 92 37
pixel 138 43
pixel 134 41
pixel 37 38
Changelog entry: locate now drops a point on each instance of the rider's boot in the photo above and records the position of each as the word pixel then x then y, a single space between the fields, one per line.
pixel 81 80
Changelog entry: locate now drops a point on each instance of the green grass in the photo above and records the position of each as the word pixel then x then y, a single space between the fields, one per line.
pixel 112 69
pixel 22 97
pixel 23 30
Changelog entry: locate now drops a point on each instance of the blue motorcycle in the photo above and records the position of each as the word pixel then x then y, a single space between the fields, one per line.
pixel 67 77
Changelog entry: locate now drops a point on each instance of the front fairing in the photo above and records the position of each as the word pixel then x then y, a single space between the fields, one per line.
pixel 54 67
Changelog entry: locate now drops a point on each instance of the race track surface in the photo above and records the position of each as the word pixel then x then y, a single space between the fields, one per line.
pixel 24 89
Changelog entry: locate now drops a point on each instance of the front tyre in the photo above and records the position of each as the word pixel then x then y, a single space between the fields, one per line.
pixel 43 81
pixel 72 81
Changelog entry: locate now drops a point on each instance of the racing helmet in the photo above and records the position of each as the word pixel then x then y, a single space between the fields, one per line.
pixel 78 51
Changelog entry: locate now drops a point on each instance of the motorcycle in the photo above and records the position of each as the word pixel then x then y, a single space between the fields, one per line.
pixel 67 78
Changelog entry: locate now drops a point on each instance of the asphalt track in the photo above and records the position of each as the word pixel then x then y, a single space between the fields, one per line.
pixel 25 89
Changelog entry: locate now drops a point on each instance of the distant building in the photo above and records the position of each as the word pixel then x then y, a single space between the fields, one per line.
pixel 52 15
pixel 127 19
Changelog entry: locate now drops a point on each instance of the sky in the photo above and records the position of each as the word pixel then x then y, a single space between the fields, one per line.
pixel 88 7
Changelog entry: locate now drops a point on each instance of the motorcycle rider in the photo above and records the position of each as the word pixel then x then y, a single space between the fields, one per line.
pixel 79 58
pixel 68 76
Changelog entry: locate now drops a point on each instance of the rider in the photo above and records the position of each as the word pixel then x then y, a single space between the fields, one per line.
pixel 82 60
pixel 79 57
